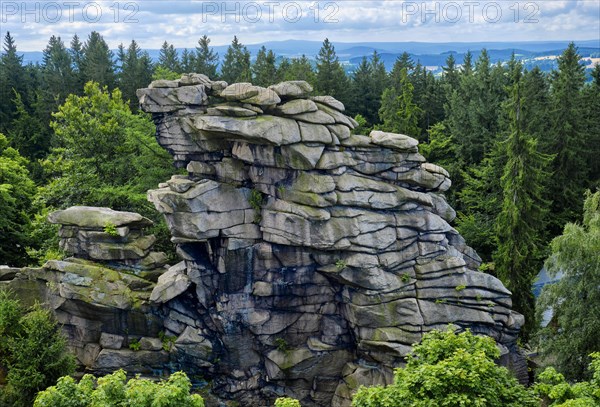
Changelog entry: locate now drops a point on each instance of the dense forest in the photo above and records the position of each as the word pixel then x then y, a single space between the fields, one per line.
pixel 521 146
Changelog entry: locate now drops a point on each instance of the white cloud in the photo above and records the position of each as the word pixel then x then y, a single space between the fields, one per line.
pixel 182 22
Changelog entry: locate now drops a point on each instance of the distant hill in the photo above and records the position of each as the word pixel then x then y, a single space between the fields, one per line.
pixel 433 55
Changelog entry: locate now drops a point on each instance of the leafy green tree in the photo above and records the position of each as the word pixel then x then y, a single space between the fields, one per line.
pixel 236 66
pixel 287 402
pixel 567 139
pixel 115 390
pixel 575 299
pixel 97 63
pixel 264 70
pixel 33 351
pixel 522 219
pixel 168 58
pixel 206 59
pixel 108 156
pixel 16 194
pixel 398 112
pixel 555 391
pixel 331 78
pixel 136 72
pixel 449 369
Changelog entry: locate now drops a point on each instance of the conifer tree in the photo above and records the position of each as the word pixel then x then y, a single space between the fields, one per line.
pixel 521 222
pixel 76 52
pixel 58 76
pixel 206 59
pixel 567 139
pixel 97 64
pixel 398 112
pixel 592 107
pixel 236 66
pixel 168 58
pixel 264 70
pixel 299 69
pixel 331 78
pixel 404 61
pixel 12 80
pixel 136 72
pixel 188 61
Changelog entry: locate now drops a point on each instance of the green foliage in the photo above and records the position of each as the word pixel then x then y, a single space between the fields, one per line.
pixel 115 390
pixel 135 345
pixel 398 112
pixel 16 195
pixel 340 264
pixel 521 223
pixel 460 287
pixel 449 369
pixel 575 298
pixel 97 62
pixel 236 66
pixel 363 125
pixel 281 345
pixel 331 78
pixel 264 72
pixel 111 229
pixel 255 200
pixel 109 157
pixel 32 351
pixel 298 69
pixel 287 402
pixel 555 391
pixel 167 341
pixel 206 59
pixel 168 61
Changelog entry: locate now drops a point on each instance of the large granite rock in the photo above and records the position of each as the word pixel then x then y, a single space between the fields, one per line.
pixel 313 258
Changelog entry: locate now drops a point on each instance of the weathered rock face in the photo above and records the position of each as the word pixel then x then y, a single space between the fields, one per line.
pixel 312 258
pixel 101 295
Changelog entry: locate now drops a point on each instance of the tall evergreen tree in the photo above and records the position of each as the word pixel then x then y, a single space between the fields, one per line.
pixel 299 69
pixel 168 58
pixel 591 97
pixel 398 112
pixel 206 59
pixel 136 72
pixel 404 61
pixel 76 52
pixel 97 64
pixel 12 80
pixel 58 76
pixel 567 139
pixel 236 66
pixel 450 73
pixel 188 61
pixel 521 222
pixel 264 70
pixel 331 78
pixel 536 106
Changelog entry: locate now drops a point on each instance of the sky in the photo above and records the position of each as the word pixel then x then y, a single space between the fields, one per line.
pixel 183 22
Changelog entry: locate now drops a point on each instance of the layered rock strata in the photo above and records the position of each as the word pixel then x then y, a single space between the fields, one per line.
pixel 313 258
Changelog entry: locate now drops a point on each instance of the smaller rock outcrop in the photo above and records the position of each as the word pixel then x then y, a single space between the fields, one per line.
pixel 101 295
pixel 107 236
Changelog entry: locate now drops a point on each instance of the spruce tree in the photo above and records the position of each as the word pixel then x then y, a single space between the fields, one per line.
pixel 76 52
pixel 58 76
pixel 398 112
pixel 521 222
pixel 567 139
pixel 236 66
pixel 136 72
pixel 12 80
pixel 188 61
pixel 300 69
pixel 168 58
pixel 264 71
pixel 206 59
pixel 404 61
pixel 591 98
pixel 331 78
pixel 97 64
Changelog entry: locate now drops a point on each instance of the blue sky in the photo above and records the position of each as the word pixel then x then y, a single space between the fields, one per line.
pixel 182 22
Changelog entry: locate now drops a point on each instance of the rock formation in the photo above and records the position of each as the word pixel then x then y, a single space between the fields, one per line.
pixel 312 257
